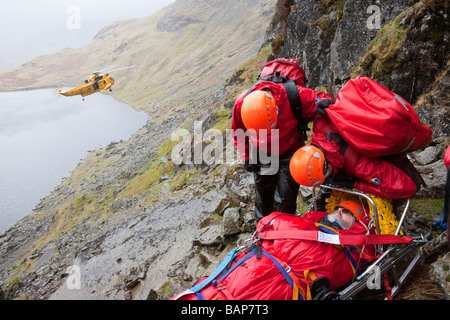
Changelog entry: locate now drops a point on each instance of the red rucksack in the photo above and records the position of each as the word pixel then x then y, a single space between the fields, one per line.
pixel 375 121
pixel 289 68
pixel 288 73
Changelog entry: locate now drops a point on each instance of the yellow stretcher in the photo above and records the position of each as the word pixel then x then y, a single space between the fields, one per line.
pixel 394 261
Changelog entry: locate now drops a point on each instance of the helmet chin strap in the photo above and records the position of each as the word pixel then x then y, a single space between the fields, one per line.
pixel 328 172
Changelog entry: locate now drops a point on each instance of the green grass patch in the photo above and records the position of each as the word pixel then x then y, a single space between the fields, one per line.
pixel 383 50
pixel 165 291
pixel 182 179
pixel 249 71
pixel 223 119
pixel 149 176
pixel 427 206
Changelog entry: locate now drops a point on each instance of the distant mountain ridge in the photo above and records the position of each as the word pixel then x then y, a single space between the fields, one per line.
pixel 189 42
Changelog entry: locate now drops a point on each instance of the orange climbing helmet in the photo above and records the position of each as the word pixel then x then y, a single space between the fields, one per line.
pixel 354 207
pixel 307 166
pixel 259 111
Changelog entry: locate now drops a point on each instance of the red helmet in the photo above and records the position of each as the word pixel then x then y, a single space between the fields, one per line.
pixel 259 111
pixel 354 207
pixel 307 165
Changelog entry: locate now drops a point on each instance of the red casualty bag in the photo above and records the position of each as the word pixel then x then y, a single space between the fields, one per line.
pixel 375 121
pixel 282 268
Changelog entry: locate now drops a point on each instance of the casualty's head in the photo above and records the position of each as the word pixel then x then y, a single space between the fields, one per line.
pixel 259 111
pixel 346 214
pixel 308 166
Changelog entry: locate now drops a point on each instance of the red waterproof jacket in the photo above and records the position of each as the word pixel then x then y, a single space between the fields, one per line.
pixel 447 157
pixel 288 138
pixel 376 176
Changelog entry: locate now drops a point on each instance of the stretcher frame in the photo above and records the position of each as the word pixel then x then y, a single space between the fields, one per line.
pixel 390 257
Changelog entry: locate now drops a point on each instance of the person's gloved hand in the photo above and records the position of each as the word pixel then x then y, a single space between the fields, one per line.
pixel 441 223
pixel 323 104
pixel 343 182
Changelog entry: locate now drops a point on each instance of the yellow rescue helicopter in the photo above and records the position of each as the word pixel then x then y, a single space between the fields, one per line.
pixel 97 82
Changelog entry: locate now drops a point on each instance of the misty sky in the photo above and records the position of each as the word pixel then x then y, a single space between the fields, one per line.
pixel 30 28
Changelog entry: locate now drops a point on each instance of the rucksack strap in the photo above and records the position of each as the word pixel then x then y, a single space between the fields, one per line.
pixel 287 273
pixel 345 249
pixel 284 269
pixel 308 274
pixel 296 107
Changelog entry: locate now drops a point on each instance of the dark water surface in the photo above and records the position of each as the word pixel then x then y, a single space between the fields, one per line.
pixel 44 135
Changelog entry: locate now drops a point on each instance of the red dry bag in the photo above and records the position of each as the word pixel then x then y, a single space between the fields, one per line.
pixel 375 121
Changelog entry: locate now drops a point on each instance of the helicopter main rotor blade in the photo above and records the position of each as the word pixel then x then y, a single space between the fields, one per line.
pixel 119 69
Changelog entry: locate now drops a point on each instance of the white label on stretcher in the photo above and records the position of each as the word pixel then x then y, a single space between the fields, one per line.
pixel 328 238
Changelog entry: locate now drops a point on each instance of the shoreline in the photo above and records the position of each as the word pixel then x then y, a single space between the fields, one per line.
pixel 88 146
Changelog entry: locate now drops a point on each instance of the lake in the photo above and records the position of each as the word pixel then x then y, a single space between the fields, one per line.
pixel 43 136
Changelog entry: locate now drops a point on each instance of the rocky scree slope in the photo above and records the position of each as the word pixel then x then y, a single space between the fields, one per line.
pixel 125 179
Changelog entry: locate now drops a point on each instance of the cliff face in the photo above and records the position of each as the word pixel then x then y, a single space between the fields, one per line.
pixel 132 223
pixel 330 37
pixel 401 44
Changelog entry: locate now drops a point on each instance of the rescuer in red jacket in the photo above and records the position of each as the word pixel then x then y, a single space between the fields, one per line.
pixel 388 177
pixel 267 108
pixel 442 223
pixel 447 193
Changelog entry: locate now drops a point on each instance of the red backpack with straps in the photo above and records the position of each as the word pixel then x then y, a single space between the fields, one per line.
pixel 375 121
pixel 289 73
pixel 289 68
